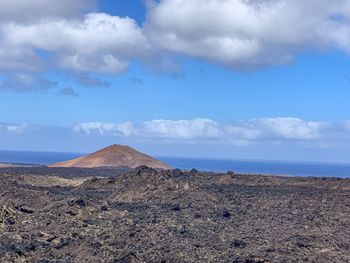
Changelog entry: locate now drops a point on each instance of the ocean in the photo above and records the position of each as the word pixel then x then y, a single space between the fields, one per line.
pixel 214 165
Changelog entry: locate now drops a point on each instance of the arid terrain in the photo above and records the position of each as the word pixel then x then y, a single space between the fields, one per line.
pixel 144 215
pixel 114 156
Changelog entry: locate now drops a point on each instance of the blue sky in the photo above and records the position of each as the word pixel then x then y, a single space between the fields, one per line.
pixel 314 87
pixel 176 84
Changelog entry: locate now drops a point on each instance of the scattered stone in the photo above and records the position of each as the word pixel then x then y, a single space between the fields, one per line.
pixel 197 215
pixel 60 242
pixel 176 208
pixel 134 217
pixel 104 207
pixel 144 169
pixel 181 229
pixel 72 212
pixel 25 209
pixel 78 201
pixel 176 172
pixel 10 221
pixel 239 243
pixel 226 213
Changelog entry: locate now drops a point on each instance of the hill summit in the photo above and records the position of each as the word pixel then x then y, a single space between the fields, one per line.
pixel 114 156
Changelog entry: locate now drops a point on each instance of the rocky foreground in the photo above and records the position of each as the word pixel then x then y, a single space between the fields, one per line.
pixel 171 216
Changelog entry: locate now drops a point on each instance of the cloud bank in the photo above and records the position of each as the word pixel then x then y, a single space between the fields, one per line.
pixel 266 138
pixel 255 130
pixel 37 35
pixel 199 129
pixel 249 33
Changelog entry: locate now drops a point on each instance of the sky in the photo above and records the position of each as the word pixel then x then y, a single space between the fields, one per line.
pixel 233 79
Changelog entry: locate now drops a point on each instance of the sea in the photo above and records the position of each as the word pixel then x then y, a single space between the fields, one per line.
pixel 341 170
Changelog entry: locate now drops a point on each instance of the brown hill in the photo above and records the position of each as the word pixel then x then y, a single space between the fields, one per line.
pixel 114 156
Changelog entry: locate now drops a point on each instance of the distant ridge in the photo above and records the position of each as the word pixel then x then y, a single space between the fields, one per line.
pixel 114 156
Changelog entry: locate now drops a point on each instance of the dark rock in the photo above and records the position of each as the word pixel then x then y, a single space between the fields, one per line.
pixel 226 213
pixel 239 243
pixel 134 217
pixel 10 221
pixel 176 172
pixel 25 209
pixel 78 201
pixel 176 208
pixel 143 169
pixel 197 215
pixel 94 180
pixel 30 247
pixel 72 212
pixel 104 208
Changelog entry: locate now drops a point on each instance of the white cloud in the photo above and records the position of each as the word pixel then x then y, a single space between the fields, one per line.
pixel 98 42
pixel 255 130
pixel 15 128
pixel 37 35
pixel 248 33
pixel 265 129
pixel 182 129
pixel 29 10
pixel 166 129
pixel 267 138
pixel 285 128
pixel 89 127
pixel 105 128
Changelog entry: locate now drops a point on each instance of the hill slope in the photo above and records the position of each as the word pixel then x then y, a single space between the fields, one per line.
pixel 114 156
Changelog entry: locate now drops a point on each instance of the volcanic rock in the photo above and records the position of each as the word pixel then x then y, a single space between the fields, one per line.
pixel 150 216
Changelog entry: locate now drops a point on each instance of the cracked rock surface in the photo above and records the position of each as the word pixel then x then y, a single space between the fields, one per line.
pixel 172 216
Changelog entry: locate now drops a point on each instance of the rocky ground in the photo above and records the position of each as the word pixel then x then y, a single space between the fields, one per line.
pixel 172 216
